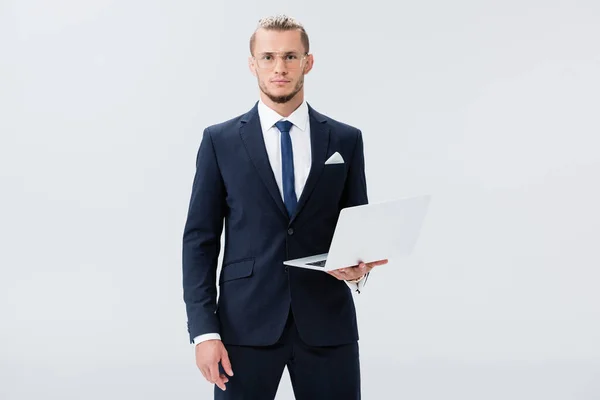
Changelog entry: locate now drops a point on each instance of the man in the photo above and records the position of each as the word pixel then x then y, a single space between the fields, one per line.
pixel 264 175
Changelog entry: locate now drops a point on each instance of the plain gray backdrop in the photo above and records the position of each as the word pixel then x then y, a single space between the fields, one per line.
pixel 492 107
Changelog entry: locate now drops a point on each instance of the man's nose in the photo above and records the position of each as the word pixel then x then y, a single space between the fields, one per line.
pixel 280 66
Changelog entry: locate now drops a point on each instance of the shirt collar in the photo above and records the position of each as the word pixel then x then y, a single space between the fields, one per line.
pixel 268 116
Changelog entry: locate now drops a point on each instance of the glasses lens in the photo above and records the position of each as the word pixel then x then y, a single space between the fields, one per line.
pixel 268 60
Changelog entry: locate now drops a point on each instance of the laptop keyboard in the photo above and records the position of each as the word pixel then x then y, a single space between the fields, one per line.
pixel 317 263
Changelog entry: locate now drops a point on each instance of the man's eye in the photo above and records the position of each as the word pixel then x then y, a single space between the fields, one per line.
pixel 292 56
pixel 267 58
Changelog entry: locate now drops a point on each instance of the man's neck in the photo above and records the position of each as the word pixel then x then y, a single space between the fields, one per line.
pixel 283 109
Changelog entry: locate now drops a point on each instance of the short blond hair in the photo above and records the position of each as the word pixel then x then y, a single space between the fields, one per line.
pixel 280 22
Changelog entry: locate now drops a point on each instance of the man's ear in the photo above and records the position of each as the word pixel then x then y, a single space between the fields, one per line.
pixel 251 65
pixel 310 60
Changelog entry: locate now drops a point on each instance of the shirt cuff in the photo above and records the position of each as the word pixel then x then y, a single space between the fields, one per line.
pixel 207 336
pixel 357 286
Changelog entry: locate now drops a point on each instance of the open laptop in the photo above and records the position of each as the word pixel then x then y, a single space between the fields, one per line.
pixel 371 232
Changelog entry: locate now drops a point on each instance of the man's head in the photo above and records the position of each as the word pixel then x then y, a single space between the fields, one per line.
pixel 279 58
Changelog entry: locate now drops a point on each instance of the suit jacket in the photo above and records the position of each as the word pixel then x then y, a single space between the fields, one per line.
pixel 234 185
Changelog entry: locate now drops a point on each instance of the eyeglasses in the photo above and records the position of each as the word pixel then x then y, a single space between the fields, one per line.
pixel 292 60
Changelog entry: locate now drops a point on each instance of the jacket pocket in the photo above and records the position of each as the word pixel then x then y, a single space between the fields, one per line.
pixel 236 270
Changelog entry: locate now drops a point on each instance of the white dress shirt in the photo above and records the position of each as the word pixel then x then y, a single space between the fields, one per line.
pixel 300 135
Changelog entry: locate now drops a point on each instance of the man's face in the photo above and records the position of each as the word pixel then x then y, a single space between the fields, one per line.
pixel 278 79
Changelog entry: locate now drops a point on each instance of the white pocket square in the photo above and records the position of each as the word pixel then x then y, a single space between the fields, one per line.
pixel 336 158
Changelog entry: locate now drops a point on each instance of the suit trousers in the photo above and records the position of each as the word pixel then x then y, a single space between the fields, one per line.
pixel 327 373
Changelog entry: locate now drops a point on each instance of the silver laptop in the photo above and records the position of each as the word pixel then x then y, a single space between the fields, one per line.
pixel 371 232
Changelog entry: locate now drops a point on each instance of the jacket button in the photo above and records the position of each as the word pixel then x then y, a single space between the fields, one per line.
pixel 290 231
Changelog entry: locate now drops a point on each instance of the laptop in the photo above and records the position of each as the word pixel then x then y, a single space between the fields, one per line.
pixel 371 232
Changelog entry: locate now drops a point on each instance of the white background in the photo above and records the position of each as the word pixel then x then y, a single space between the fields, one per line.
pixel 492 107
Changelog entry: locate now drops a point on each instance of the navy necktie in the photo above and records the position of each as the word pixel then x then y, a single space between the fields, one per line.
pixel 287 166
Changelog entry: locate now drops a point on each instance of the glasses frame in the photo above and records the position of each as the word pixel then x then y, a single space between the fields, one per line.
pixel 279 55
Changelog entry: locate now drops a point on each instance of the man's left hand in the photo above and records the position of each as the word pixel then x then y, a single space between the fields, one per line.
pixel 355 271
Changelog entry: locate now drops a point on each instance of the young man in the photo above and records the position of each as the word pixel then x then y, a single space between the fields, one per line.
pixel 265 174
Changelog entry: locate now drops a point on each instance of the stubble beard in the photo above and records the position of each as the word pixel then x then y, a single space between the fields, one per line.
pixel 285 98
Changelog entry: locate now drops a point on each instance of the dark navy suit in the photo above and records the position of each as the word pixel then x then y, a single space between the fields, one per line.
pixel 262 303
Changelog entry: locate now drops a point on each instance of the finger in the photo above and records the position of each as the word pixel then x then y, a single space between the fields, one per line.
pixel 221 381
pixel 338 275
pixel 348 273
pixel 356 271
pixel 377 263
pixel 226 363
pixel 206 374
pixel 214 376
pixel 221 385
pixel 217 377
pixel 354 275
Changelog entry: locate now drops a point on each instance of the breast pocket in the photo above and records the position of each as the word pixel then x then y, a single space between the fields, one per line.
pixel 331 184
pixel 334 174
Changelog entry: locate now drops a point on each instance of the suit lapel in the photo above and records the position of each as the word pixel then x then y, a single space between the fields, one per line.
pixel 319 144
pixel 252 136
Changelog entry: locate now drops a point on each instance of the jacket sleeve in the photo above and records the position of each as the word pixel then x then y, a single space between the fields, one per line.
pixel 201 241
pixel 355 191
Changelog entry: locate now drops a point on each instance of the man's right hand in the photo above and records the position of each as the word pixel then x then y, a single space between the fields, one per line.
pixel 208 355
